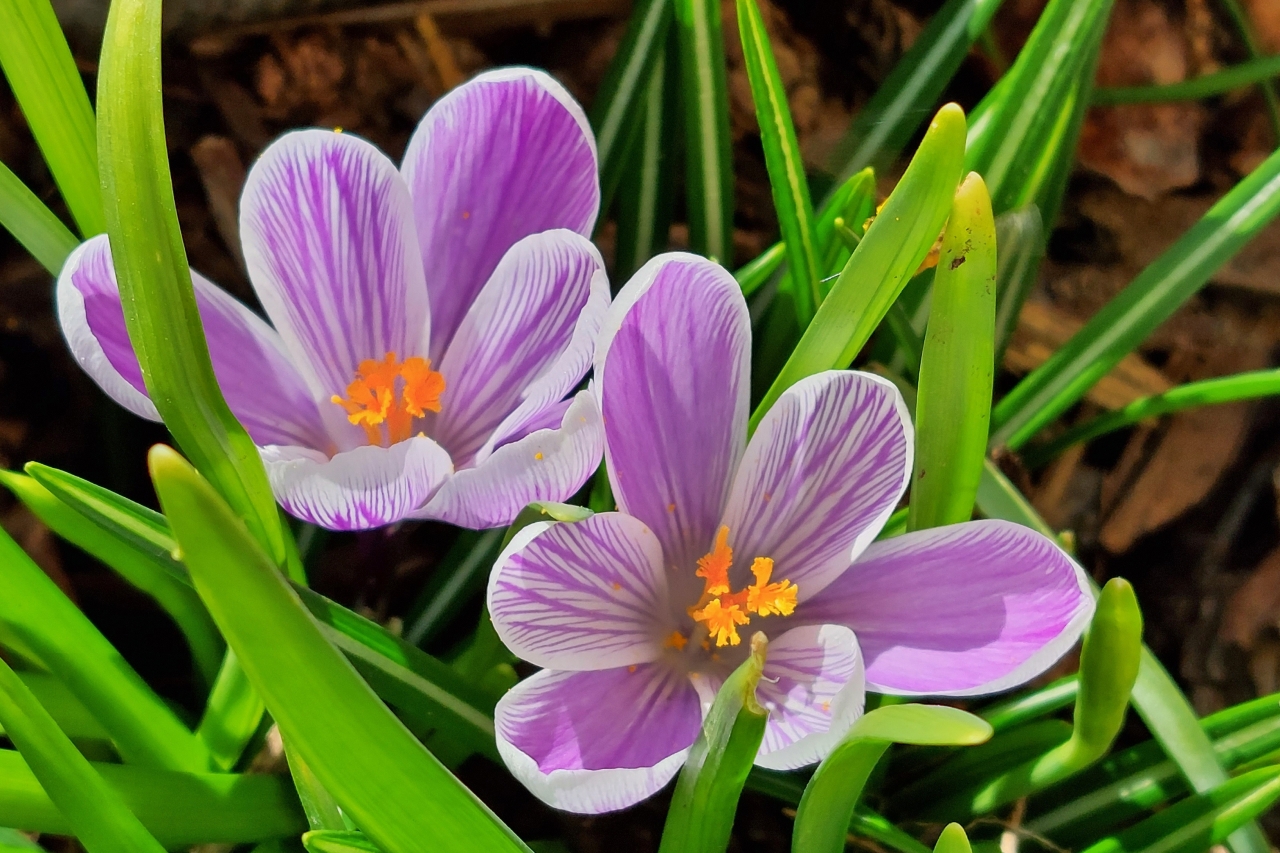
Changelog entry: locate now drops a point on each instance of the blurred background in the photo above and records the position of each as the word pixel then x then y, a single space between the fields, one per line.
pixel 1185 507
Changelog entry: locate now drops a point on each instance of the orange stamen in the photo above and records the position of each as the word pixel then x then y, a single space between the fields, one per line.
pixel 721 610
pixel 372 398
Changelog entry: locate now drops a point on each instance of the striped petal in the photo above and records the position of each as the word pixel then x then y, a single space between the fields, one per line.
pixel 587 595
pixel 327 227
pixel 672 370
pixel 823 473
pixel 961 610
pixel 505 155
pixel 357 489
pixel 594 742
pixel 261 385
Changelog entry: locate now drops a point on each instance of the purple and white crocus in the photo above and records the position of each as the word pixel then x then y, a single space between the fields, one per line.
pixel 427 322
pixel 637 615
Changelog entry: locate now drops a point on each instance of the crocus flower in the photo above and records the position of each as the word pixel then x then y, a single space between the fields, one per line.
pixel 639 615
pixel 427 323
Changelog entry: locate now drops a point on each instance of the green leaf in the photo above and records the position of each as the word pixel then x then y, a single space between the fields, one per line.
pixel 231 715
pixel 1155 696
pixel 756 273
pixel 1205 86
pixel 1148 301
pixel 827 806
pixel 332 841
pixel 141 567
pixel 709 145
pixel 98 817
pixel 12 841
pixel 178 809
pixel 430 695
pixel 646 202
pixel 380 775
pixel 782 160
pixel 1027 143
pixel 1199 822
pixel 884 126
pixel 38 620
pixel 67 711
pixel 43 74
pixel 1111 796
pixel 1033 705
pixel 32 224
pixel 155 281
pixel 460 576
pixel 952 840
pixel 1108 669
pixel 322 812
pixel 621 99
pixel 1208 392
pixel 700 818
pixel 892 249
pixel 957 368
pixel 1020 237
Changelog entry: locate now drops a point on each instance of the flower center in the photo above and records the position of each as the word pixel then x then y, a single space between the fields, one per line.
pixel 391 392
pixel 722 610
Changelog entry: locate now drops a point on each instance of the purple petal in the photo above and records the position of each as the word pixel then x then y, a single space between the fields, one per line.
pixel 593 742
pixel 328 235
pixel 539 312
pixel 357 489
pixel 961 610
pixel 546 465
pixel 586 595
pixel 823 473
pixel 814 688
pixel 260 384
pixel 673 367
pixel 503 156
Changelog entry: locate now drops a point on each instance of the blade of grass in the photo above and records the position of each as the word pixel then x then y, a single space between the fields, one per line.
pixel 827 807
pixel 140 567
pixel 700 817
pixel 957 368
pixel 620 100
pixel 1240 18
pixel 392 788
pixel 1209 392
pixel 179 809
pixel 1221 82
pixel 1021 239
pixel 98 817
pixel 782 159
pixel 32 224
pixel 892 249
pixel 709 146
pixel 1125 321
pixel 36 617
pixel 882 128
pixel 47 85
pixel 155 281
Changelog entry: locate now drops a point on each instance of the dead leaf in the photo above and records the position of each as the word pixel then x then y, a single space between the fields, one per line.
pixel 1255 605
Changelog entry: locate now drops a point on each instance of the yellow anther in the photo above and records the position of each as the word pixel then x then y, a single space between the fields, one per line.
pixel 715 565
pixel 721 610
pixel 372 398
pixel 767 598
pixel 722 622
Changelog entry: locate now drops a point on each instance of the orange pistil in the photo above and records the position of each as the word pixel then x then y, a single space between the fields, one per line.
pixel 723 611
pixel 372 400
pixel 676 641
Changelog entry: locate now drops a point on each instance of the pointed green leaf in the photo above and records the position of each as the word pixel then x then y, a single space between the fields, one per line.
pixel 825 811
pixel 952 840
pixel 621 99
pixel 892 249
pixel 1125 321
pixel 155 281
pixel 709 146
pixel 32 224
pixel 957 368
pixel 380 775
pixel 98 817
pixel 700 817
pixel 333 841
pixel 782 159
pixel 884 126
pixel 178 809
pixel 39 66
pixel 36 619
